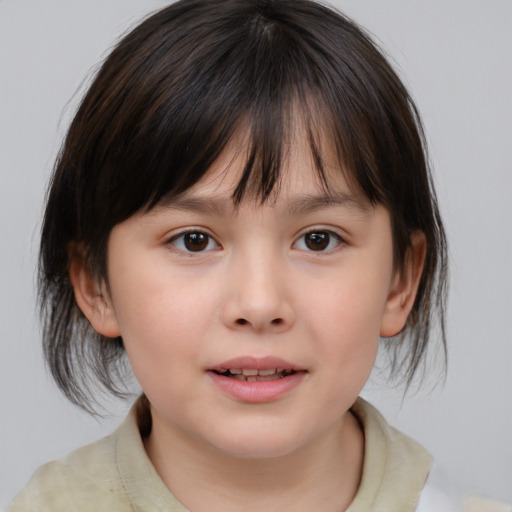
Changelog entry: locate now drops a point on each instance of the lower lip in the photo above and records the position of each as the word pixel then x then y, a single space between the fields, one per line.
pixel 258 391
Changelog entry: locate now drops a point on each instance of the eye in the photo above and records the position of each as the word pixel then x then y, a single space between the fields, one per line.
pixel 194 241
pixel 318 241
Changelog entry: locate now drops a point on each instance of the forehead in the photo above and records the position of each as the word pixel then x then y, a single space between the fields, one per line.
pixel 302 182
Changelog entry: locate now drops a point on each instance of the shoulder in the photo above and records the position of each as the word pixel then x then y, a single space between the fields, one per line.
pixel 398 455
pixel 476 504
pixel 395 466
pixel 87 479
pixel 400 475
pixel 442 494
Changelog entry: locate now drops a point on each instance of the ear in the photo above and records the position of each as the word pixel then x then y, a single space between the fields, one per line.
pixel 404 287
pixel 91 295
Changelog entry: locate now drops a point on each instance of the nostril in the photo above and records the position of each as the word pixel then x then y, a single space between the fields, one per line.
pixel 243 321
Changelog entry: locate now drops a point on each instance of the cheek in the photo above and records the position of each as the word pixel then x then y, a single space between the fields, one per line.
pixel 345 314
pixel 161 324
pixel 350 305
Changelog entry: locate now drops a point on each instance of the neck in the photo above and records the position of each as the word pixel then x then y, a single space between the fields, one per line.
pixel 324 474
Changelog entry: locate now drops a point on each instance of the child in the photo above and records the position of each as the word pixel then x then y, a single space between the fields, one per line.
pixel 241 208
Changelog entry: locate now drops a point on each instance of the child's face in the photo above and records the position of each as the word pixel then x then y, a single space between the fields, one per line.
pixel 303 283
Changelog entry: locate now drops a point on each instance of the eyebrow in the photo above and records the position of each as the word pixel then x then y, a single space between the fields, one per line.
pixel 297 206
pixel 311 203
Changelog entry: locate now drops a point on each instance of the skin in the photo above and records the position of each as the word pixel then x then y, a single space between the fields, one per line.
pixel 255 289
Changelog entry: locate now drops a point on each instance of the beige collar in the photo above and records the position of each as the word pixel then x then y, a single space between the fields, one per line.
pixel 394 472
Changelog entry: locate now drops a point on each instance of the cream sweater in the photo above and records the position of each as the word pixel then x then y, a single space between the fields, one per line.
pixel 115 475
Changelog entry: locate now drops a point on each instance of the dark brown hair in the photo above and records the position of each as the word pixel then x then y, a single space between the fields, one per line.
pixel 164 105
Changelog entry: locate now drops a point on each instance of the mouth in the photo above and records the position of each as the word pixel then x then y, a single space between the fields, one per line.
pixel 254 374
pixel 257 380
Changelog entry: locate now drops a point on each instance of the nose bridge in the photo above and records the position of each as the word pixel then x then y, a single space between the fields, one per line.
pixel 259 296
pixel 260 269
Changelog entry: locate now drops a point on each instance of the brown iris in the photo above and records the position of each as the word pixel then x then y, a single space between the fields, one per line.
pixel 317 241
pixel 196 241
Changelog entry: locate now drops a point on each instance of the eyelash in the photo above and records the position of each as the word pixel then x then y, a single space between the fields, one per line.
pixel 209 243
pixel 180 238
pixel 331 237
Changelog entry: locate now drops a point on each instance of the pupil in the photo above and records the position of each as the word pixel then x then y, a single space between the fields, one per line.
pixel 317 241
pixel 196 241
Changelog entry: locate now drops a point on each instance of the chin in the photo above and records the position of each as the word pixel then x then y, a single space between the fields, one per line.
pixel 259 445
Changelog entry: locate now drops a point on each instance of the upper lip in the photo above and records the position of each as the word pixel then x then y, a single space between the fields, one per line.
pixel 256 363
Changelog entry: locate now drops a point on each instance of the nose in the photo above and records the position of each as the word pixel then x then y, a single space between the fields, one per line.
pixel 258 299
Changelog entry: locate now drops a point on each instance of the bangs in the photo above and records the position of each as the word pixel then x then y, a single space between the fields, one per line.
pixel 173 95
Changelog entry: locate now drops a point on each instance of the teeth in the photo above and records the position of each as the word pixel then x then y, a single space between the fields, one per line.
pixel 253 374
pixel 267 377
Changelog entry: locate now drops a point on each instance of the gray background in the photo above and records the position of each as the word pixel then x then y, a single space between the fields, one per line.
pixel 456 58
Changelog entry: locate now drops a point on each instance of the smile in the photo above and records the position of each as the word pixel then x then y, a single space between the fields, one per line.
pixel 254 375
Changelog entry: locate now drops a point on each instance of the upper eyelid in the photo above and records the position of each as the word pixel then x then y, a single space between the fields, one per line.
pixel 320 228
pixel 304 231
pixel 176 233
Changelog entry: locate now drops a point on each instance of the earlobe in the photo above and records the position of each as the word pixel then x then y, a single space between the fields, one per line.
pixel 404 287
pixel 91 296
